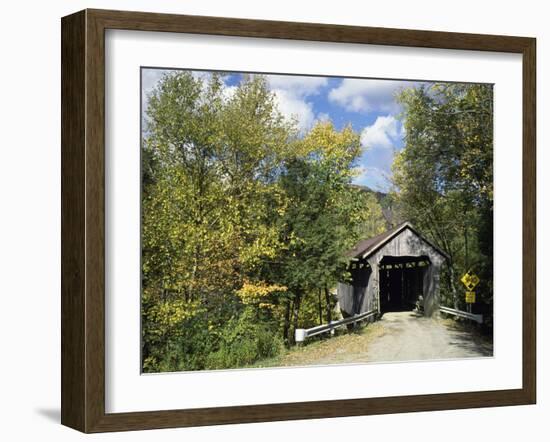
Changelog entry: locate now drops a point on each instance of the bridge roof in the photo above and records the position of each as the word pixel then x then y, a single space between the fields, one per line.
pixel 367 247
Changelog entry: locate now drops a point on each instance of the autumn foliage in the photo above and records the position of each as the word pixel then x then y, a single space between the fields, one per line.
pixel 244 222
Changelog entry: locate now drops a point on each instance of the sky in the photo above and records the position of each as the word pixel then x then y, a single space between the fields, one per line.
pixel 368 105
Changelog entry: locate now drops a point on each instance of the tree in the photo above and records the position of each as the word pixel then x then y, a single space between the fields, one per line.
pixel 243 219
pixel 444 175
pixel 210 161
pixel 324 215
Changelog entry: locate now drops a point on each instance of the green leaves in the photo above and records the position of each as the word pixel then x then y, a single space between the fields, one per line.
pixel 240 217
pixel 325 215
pixel 444 175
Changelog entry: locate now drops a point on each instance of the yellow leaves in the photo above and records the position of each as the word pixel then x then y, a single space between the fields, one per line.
pixel 281 211
pixel 264 244
pixel 150 364
pixel 257 292
pixel 330 144
pixel 168 314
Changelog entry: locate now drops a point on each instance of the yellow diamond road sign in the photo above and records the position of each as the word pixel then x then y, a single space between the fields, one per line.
pixel 470 280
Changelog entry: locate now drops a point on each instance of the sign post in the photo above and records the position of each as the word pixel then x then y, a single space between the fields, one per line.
pixel 470 281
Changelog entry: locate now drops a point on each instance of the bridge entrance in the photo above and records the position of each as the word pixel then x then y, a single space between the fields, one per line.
pixel 401 282
pixel 390 271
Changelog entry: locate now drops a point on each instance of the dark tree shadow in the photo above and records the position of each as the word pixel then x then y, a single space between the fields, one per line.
pixel 470 339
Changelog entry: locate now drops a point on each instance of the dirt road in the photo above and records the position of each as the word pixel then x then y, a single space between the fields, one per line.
pixel 408 336
pixel 397 336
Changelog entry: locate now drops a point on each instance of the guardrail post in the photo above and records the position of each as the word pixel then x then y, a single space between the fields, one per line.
pixel 299 335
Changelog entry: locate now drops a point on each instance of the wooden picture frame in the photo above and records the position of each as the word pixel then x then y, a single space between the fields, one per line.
pixel 83 218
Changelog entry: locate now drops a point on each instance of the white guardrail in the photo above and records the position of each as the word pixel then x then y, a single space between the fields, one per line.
pixel 301 334
pixel 472 316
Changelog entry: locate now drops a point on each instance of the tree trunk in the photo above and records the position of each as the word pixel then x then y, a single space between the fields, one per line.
pixel 329 308
pixel 320 308
pixel 296 313
pixel 466 257
pixel 286 326
pixel 452 285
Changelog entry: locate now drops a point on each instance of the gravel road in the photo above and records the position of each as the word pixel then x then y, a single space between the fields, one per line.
pixel 407 336
pixel 397 336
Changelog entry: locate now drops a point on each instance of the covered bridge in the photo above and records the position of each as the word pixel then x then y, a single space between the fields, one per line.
pixel 389 272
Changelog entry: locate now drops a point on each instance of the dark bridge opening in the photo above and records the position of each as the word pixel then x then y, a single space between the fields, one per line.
pixel 401 282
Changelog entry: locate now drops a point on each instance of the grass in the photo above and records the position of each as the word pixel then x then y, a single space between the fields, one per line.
pixel 324 351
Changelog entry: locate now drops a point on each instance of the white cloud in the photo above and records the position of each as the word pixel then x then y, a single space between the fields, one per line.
pixel 381 141
pixel 297 85
pixel 201 75
pixel 362 95
pixel 384 133
pixel 293 107
pixel 323 117
pixel 291 93
pixel 228 92
pixel 149 79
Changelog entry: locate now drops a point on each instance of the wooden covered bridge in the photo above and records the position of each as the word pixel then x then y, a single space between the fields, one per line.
pixel 394 271
pixel 391 272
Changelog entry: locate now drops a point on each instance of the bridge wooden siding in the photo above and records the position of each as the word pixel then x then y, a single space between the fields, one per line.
pixel 363 293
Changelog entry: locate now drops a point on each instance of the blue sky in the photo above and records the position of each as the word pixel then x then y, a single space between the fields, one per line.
pixel 368 105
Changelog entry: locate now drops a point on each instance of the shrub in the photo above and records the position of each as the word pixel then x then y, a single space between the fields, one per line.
pixel 244 341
